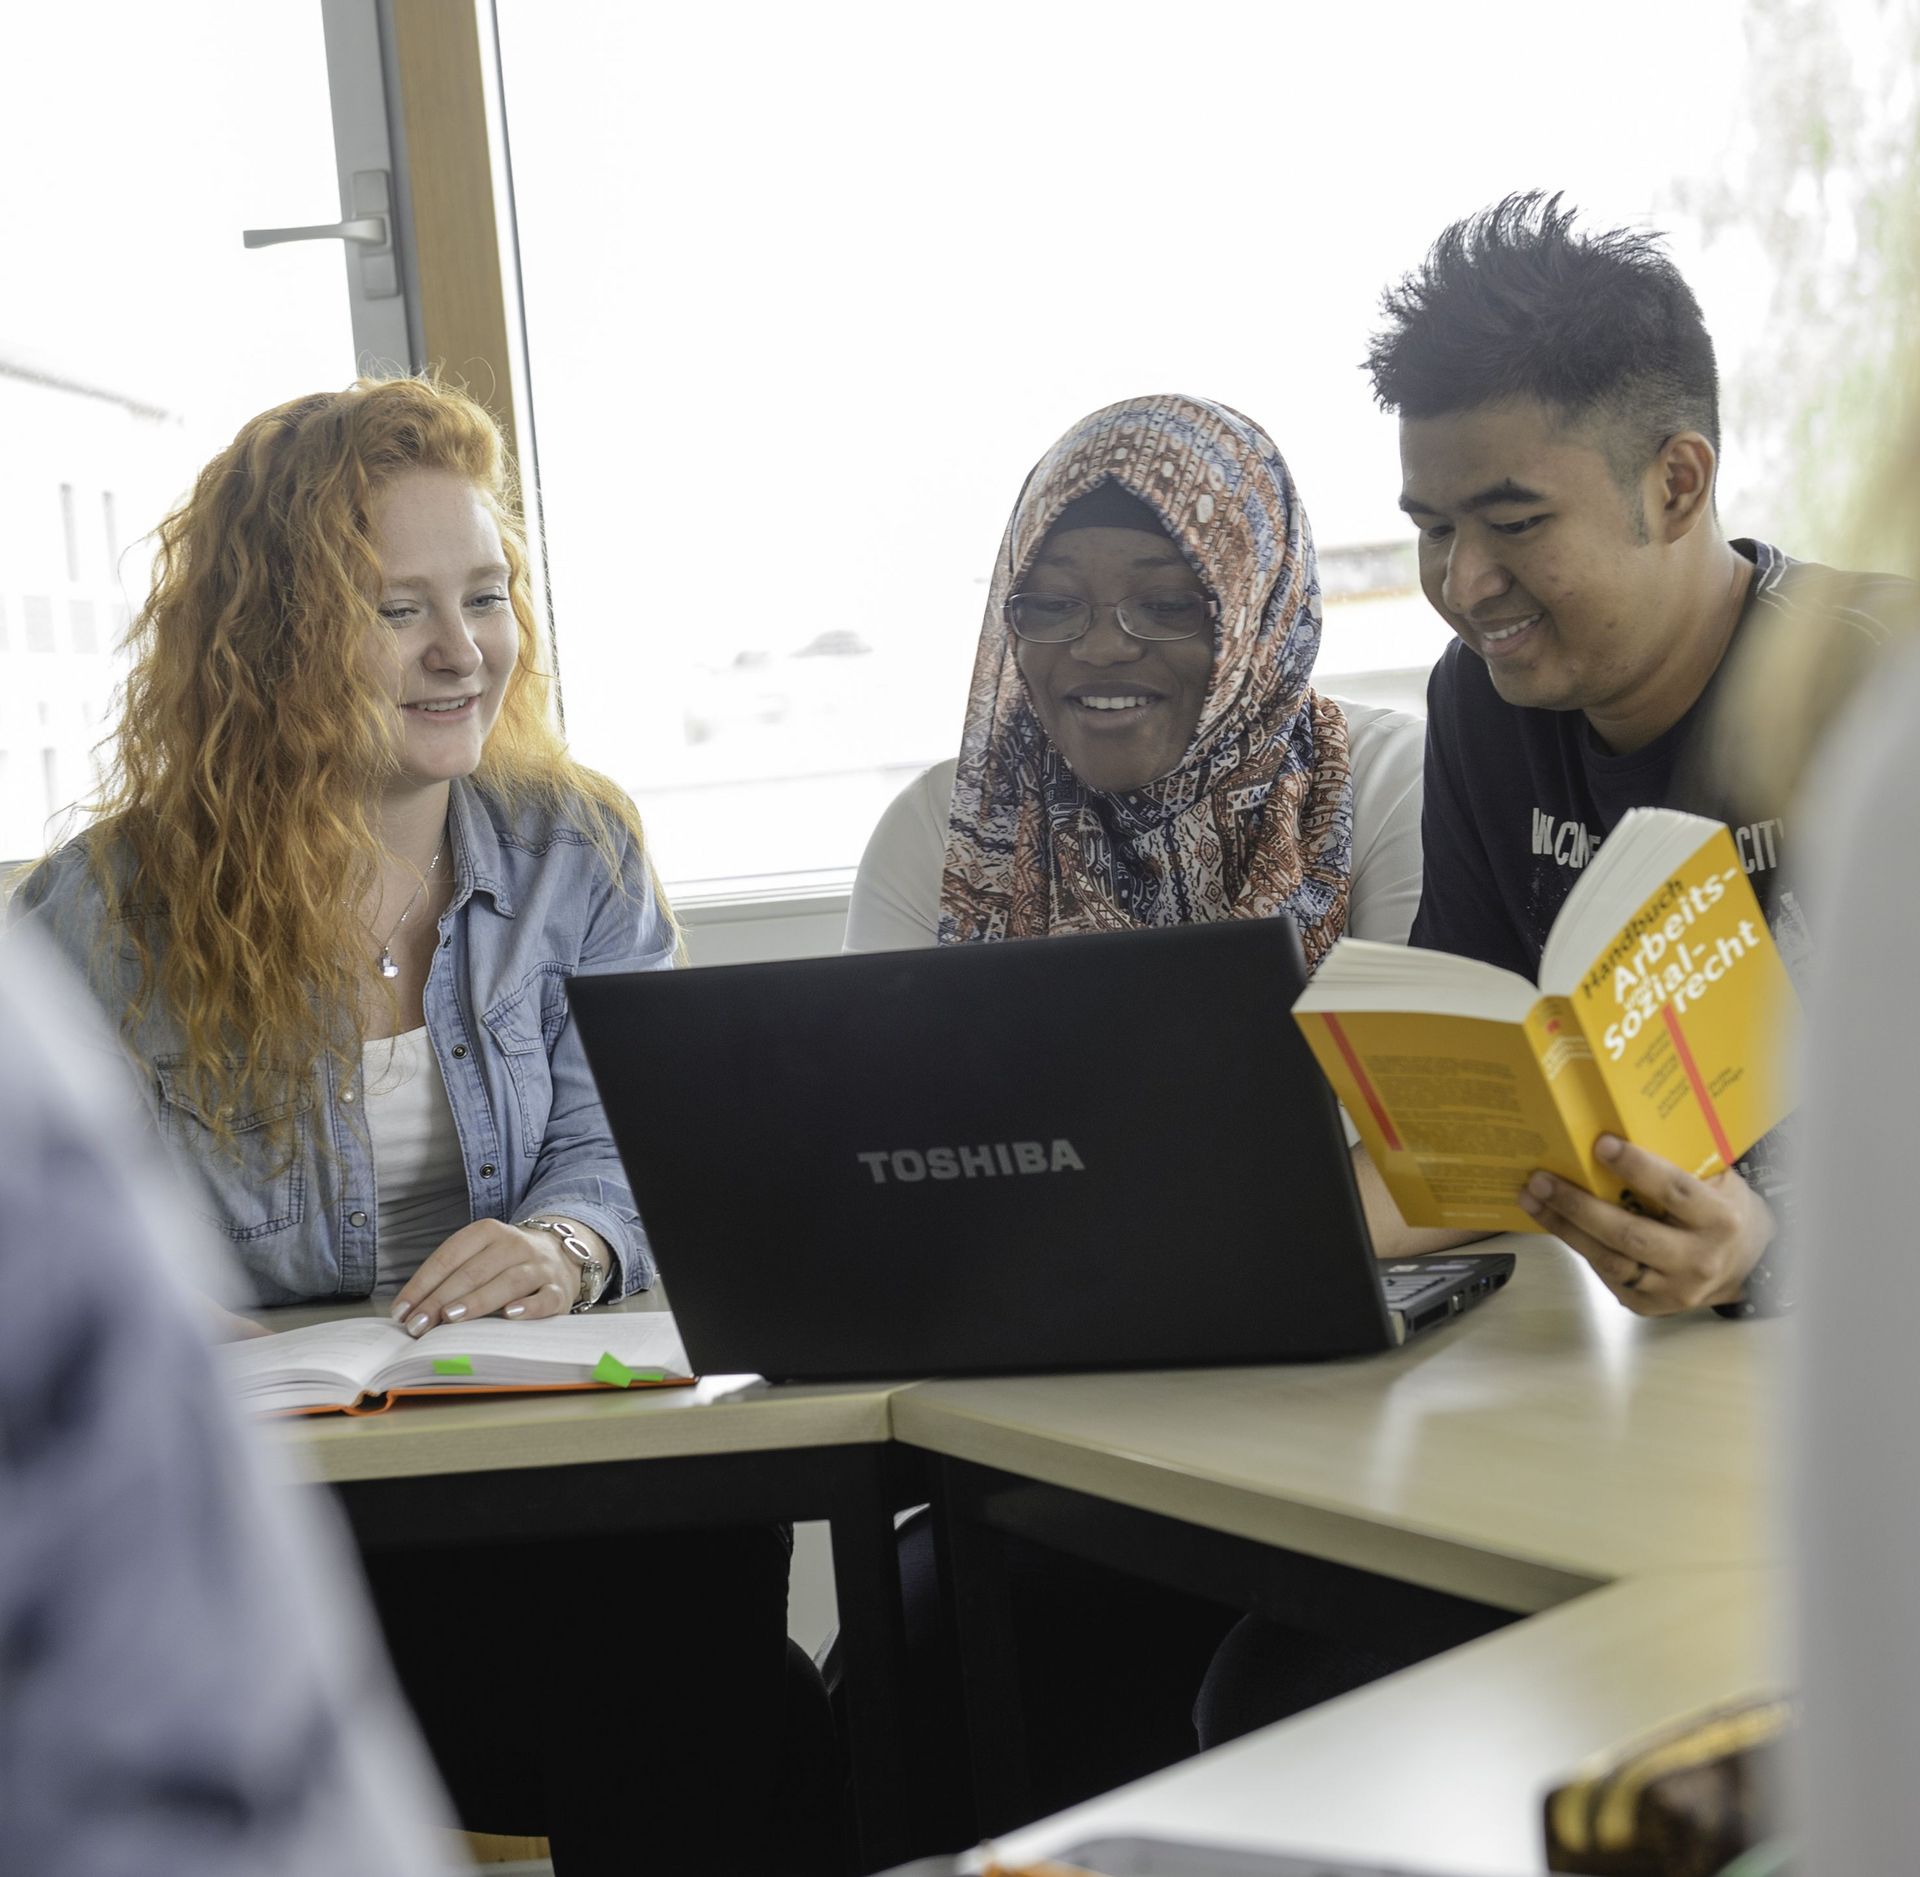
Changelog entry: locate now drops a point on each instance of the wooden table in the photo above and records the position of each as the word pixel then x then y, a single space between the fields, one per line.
pixel 1549 1452
pixel 1548 1455
pixel 1443 1767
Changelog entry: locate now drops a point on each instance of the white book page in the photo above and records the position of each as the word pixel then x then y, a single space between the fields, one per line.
pixel 537 1349
pixel 334 1364
pixel 1648 846
pixel 1362 974
pixel 311 1367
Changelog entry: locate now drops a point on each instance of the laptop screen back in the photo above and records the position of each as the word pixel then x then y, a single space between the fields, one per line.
pixel 1079 1152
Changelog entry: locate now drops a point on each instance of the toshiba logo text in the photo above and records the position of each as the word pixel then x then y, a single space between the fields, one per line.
pixel 985 1162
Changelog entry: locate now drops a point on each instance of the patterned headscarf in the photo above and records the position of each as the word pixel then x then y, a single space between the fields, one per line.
pixel 1258 817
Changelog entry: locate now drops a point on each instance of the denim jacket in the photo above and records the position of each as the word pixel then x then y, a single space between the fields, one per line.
pixel 533 904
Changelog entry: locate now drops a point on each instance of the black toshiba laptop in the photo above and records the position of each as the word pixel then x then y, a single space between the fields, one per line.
pixel 1071 1153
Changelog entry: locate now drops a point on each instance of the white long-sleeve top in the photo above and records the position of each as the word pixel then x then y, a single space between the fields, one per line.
pixel 896 895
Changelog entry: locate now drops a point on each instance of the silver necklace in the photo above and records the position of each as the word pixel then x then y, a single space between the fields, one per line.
pixel 388 969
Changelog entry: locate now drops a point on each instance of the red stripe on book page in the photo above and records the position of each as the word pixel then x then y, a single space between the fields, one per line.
pixel 1721 1145
pixel 1360 1075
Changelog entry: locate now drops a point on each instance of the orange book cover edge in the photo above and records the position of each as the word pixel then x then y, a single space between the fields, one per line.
pixel 386 1397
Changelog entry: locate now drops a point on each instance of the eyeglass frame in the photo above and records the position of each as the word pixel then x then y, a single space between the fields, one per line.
pixel 1114 606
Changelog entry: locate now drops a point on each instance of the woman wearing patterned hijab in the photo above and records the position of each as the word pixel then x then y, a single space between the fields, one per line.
pixel 1117 778
pixel 1143 745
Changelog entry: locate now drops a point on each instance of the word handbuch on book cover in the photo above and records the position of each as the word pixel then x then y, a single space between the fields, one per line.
pixel 357 1365
pixel 1663 1014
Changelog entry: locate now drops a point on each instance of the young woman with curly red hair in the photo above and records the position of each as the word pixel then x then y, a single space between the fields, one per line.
pixel 334 885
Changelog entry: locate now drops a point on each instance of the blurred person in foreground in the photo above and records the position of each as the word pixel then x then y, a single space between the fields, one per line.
pixel 1821 723
pixel 189 1681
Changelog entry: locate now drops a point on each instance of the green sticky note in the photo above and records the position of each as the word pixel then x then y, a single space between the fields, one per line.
pixel 615 1373
pixel 453 1365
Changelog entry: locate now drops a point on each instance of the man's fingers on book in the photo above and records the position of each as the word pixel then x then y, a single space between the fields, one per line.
pixel 1642 1287
pixel 1639 1287
pixel 1617 1271
pixel 1647 1290
pixel 1612 1227
pixel 1643 1295
pixel 1668 1188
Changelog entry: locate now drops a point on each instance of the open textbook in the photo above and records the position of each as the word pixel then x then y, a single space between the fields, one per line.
pixel 1663 1014
pixel 357 1365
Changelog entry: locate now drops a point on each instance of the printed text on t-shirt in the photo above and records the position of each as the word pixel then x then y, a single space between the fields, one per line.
pixel 1572 844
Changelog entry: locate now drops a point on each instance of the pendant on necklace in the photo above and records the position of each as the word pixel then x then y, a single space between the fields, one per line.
pixel 388 969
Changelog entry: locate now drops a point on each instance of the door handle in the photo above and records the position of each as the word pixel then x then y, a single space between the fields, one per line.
pixel 369 231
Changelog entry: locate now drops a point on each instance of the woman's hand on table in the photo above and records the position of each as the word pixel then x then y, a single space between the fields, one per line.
pixel 491 1268
pixel 1700 1252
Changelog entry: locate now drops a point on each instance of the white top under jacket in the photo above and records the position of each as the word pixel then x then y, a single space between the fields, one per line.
pixel 418 1171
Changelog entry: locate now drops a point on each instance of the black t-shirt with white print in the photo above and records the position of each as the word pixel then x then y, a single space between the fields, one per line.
pixel 1518 802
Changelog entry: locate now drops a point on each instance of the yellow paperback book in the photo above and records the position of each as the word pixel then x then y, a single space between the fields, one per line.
pixel 1663 1014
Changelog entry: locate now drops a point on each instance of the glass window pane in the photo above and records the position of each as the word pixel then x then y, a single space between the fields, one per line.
pixel 138 333
pixel 809 289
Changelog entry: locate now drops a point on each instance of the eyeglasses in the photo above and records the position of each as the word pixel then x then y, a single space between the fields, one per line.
pixel 1055 618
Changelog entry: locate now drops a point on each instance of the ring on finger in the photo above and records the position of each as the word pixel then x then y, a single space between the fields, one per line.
pixel 1633 1282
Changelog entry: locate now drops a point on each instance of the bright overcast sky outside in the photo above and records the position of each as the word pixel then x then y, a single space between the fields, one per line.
pixel 862 264
pixel 809 289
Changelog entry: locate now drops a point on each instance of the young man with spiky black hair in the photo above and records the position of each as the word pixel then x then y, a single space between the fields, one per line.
pixel 1559 436
pixel 1559 433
